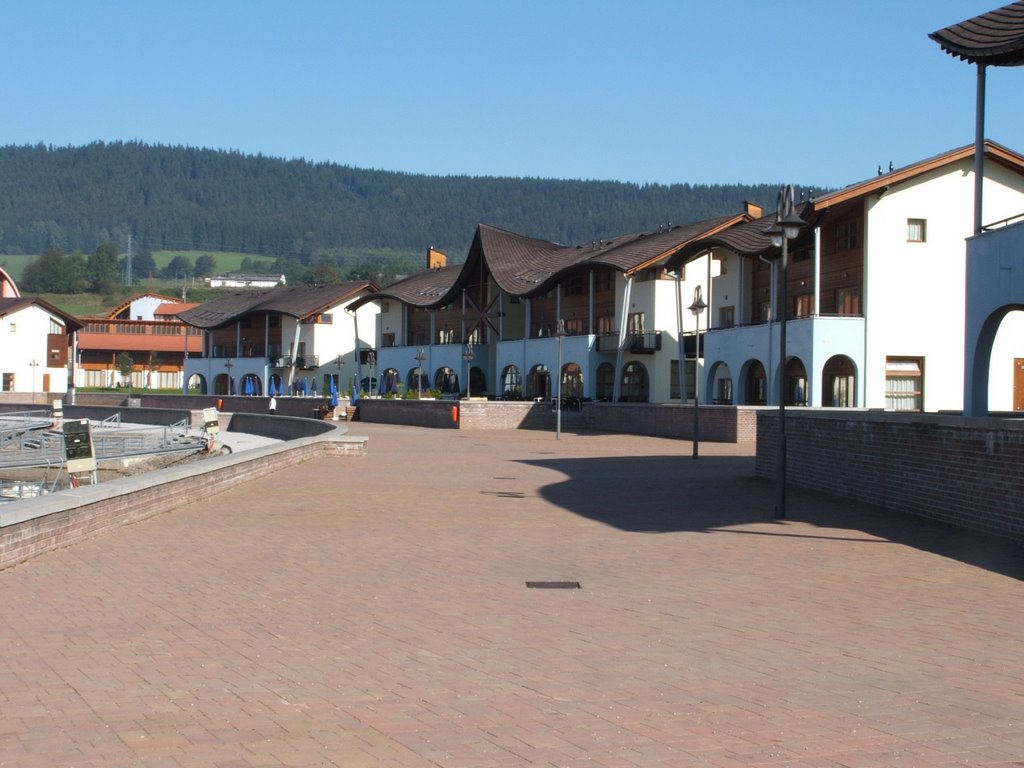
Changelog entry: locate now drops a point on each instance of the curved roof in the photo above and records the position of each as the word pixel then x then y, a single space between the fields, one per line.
pixel 528 266
pixel 747 238
pixel 995 38
pixel 296 301
pixel 8 288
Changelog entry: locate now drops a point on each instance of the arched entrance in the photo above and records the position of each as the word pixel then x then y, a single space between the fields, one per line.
pixel 538 383
pixel 797 391
pixel 512 383
pixel 477 382
pixel 417 380
pixel 222 385
pixel 634 383
pixel 196 385
pixel 447 381
pixel 755 384
pixel 840 379
pixel 251 384
pixel 572 380
pixel 720 392
pixel 389 381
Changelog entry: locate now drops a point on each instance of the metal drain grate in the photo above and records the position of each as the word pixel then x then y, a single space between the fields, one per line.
pixel 553 585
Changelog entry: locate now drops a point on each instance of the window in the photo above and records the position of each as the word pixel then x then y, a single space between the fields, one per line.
pixel 848 301
pixel 606 325
pixel 385 306
pixel 14 328
pixel 635 322
pixel 904 383
pixel 846 236
pixel 915 230
pixel 8 382
pixel 574 286
pixel 56 327
pixel 691 374
pixel 604 281
pixel 726 317
pixel 803 305
pixel 387 339
pixel 764 311
pixel 723 392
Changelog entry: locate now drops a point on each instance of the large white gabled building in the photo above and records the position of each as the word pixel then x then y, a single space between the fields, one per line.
pixel 876 294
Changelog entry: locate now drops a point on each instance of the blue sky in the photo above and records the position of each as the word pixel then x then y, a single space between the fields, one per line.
pixel 665 91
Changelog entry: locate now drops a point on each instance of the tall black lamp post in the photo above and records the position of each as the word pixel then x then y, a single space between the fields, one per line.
pixel 698 307
pixel 786 227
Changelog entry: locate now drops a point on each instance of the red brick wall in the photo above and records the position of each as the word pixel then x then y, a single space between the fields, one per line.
pixel 966 472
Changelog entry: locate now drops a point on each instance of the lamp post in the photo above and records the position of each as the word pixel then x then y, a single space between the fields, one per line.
pixel 339 362
pixel 229 365
pixel 420 357
pixel 786 227
pixel 698 306
pixel 467 353
pixel 34 364
pixel 559 334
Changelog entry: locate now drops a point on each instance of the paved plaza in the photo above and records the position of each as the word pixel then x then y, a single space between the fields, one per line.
pixel 374 611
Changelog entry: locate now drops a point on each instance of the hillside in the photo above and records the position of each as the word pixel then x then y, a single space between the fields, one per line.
pixel 182 198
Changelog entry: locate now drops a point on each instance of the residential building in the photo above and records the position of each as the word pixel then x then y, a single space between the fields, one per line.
pixel 35 337
pixel 147 329
pixel 240 280
pixel 285 340
pixel 876 286
pixel 519 308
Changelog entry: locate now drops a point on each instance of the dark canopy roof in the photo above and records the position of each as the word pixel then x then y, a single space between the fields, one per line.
pixel 995 38
pixel 528 266
pixel 299 302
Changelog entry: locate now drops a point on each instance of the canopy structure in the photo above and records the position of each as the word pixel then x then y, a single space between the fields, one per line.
pixel 993 39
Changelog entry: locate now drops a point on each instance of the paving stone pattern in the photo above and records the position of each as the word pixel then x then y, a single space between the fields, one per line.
pixel 373 611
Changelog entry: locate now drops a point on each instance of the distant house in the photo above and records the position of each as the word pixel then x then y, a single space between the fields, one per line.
pixel 239 280
pixel 35 337
pixel 147 328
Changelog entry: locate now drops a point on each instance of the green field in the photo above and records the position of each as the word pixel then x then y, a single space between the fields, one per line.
pixel 14 264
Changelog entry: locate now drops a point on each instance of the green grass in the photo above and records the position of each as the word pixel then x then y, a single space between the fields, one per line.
pixel 14 264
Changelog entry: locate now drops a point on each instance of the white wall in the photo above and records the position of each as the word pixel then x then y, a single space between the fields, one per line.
pixel 914 297
pixel 23 341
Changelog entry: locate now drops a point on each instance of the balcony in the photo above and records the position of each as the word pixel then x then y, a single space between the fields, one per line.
pixel 637 343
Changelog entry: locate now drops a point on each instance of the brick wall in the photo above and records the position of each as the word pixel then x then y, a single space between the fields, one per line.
pixel 966 472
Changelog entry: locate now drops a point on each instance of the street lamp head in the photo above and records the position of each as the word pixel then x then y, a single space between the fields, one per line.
pixel 699 305
pixel 791 224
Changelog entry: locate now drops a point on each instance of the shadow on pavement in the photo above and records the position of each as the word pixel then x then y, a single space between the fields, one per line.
pixel 664 494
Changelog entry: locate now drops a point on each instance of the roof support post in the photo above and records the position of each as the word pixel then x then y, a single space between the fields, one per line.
pixel 590 306
pixel 623 317
pixel 979 148
pixel 817 271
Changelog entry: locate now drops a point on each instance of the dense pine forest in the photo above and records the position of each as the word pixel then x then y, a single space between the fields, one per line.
pixel 181 198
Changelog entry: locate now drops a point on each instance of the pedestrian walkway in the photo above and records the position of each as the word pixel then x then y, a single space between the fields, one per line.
pixel 374 611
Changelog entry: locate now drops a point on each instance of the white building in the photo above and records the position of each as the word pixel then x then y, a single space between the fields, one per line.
pixel 35 338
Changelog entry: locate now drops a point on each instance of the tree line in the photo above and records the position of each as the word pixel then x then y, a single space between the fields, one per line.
pixel 184 198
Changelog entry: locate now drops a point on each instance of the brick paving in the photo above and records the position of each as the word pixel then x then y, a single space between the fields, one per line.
pixel 373 611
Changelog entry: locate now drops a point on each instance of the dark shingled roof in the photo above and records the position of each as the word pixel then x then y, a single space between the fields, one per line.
pixel 296 301
pixel 995 38
pixel 528 266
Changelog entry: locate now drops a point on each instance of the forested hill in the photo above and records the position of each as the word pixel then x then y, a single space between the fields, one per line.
pixel 181 198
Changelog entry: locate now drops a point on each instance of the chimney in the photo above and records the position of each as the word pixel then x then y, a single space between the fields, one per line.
pixel 753 210
pixel 436 259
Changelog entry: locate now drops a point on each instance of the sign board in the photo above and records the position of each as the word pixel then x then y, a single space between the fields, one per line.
pixel 78 450
pixel 211 420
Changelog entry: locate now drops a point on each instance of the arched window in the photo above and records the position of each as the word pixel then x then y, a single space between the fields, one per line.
pixel 634 383
pixel 418 381
pixel 511 383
